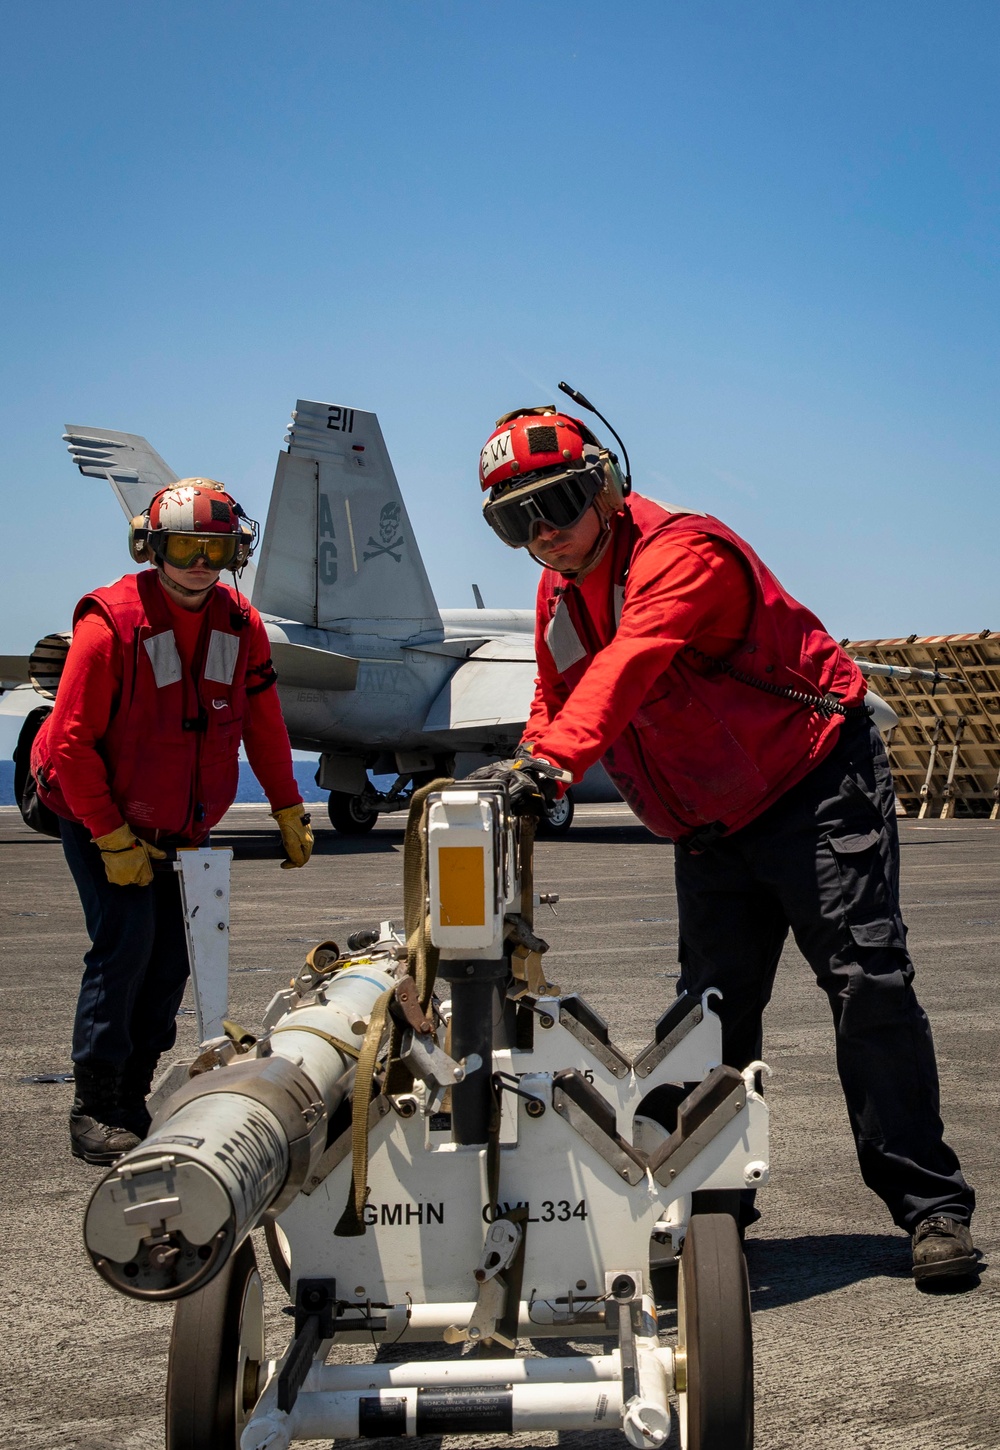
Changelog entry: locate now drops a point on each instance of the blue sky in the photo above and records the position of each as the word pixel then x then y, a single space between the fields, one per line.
pixel 762 237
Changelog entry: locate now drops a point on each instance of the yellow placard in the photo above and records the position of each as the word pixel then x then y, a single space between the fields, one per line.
pixel 462 885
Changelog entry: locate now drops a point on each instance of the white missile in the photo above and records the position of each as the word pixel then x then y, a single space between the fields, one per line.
pixel 900 672
pixel 229 1145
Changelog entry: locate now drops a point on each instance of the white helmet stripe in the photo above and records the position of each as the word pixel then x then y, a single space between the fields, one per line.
pixel 498 451
pixel 177 510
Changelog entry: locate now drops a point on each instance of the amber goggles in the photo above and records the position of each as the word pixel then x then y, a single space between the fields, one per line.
pixel 560 502
pixel 184 550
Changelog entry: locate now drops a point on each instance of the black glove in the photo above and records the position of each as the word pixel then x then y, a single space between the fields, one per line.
pixel 532 782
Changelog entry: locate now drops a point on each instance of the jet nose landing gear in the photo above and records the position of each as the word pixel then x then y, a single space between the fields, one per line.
pixel 352 815
pixel 558 817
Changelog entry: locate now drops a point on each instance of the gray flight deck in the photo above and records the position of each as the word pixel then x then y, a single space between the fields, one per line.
pixel 848 1354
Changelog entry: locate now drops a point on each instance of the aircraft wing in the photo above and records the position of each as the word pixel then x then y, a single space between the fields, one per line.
pixel 494 686
pixel 13 672
pixel 301 667
pixel 133 468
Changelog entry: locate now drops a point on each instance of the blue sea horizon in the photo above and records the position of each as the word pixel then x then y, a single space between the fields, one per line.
pixel 249 792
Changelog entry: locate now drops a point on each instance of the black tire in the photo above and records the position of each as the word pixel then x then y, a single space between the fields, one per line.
pixel 216 1348
pixel 558 818
pixel 349 814
pixel 713 1330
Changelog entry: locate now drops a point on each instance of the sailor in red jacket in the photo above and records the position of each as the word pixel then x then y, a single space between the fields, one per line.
pixel 167 672
pixel 732 723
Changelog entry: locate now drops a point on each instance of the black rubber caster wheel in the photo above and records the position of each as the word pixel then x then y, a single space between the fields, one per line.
pixel 713 1334
pixel 216 1351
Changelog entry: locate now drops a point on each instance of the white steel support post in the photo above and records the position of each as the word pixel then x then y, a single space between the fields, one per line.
pixel 510 1395
pixel 204 883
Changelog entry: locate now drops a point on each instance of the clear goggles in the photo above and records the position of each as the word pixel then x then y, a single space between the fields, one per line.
pixel 219 551
pixel 560 502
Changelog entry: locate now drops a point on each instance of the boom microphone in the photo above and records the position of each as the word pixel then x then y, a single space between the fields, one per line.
pixel 586 403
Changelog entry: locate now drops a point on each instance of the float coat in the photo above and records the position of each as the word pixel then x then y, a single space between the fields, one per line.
pixel 171 748
pixel 693 745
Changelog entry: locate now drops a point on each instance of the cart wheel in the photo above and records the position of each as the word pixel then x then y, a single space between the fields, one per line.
pixel 216 1350
pixel 713 1330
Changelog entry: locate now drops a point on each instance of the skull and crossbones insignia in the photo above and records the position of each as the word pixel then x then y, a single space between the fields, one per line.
pixel 388 526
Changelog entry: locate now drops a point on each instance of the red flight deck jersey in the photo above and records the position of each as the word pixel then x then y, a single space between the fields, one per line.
pixel 151 707
pixel 628 673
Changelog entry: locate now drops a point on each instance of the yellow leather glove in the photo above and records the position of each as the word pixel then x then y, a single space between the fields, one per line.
pixel 126 858
pixel 296 835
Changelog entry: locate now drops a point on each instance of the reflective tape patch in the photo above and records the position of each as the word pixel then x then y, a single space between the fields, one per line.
pixel 176 510
pixel 562 639
pixel 498 451
pixel 163 656
pixel 676 508
pixel 462 885
pixel 223 652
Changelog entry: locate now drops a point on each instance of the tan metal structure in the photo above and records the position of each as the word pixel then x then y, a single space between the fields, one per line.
pixel 945 751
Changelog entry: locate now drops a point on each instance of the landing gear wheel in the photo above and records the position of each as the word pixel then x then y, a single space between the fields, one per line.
pixel 713 1331
pixel 350 814
pixel 557 819
pixel 216 1350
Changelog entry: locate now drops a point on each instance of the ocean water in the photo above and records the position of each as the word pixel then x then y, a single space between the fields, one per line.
pixel 6 782
pixel 249 792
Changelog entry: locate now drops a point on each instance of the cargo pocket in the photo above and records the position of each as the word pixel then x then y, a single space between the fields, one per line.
pixel 869 911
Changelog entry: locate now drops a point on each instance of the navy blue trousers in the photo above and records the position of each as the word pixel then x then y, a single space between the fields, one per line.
pixel 824 861
pixel 135 971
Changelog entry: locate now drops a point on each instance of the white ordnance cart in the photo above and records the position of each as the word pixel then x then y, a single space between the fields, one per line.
pixel 442 1146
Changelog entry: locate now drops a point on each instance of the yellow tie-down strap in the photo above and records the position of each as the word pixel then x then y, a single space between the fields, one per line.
pixel 348 1048
pixel 422 959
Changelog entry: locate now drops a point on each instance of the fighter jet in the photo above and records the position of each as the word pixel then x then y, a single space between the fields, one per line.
pixel 372 675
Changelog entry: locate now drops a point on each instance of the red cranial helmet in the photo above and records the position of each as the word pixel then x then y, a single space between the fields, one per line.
pixel 531 440
pixel 193 518
pixel 194 506
pixel 541 466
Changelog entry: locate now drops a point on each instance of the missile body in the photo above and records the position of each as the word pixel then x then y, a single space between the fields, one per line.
pixel 229 1145
pixel 901 672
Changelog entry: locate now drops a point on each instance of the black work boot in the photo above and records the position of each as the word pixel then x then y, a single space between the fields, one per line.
pixel 943 1249
pixel 136 1081
pixel 96 1130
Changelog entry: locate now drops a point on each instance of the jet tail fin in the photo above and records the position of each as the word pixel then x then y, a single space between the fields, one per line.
pixel 338 550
